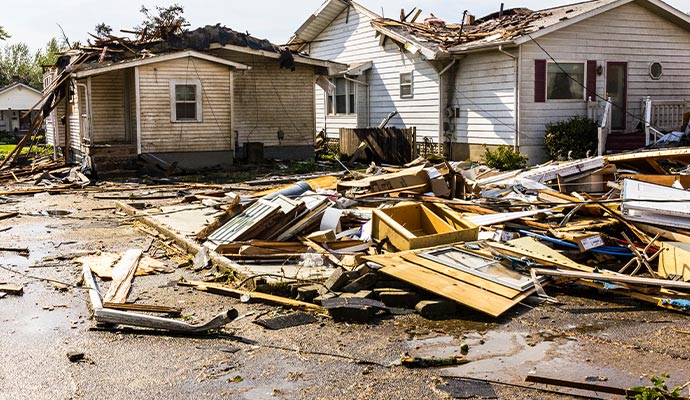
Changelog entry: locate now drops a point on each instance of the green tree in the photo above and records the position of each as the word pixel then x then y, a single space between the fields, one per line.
pixel 3 33
pixel 18 63
pixel 166 21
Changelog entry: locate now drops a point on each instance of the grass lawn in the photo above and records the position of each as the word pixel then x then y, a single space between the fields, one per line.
pixel 5 149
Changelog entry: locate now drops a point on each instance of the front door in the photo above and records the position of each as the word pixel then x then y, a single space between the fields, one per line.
pixel 617 90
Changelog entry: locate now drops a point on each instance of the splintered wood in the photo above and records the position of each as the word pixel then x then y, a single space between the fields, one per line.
pixel 123 273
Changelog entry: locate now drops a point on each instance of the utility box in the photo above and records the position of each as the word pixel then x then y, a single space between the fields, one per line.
pixel 415 226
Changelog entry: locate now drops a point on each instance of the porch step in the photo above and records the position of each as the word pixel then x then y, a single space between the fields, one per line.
pixel 115 161
pixel 620 142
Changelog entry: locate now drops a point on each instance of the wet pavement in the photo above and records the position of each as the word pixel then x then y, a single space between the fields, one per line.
pixel 590 336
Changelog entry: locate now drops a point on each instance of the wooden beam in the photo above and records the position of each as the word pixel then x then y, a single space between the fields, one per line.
pixel 614 278
pixel 260 297
pixel 123 273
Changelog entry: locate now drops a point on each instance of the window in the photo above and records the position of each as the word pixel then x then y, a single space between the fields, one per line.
pixel 655 70
pixel 342 100
pixel 565 81
pixel 406 85
pixel 185 101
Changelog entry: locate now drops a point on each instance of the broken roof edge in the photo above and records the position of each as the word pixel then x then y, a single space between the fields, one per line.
pixel 458 51
pixel 302 36
pixel 425 51
pixel 297 57
pixel 96 70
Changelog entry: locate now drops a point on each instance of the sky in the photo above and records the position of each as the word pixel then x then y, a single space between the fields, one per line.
pixel 34 22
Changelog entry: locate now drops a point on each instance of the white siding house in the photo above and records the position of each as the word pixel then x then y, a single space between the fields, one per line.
pixel 389 75
pixel 607 47
pixel 505 77
pixel 15 100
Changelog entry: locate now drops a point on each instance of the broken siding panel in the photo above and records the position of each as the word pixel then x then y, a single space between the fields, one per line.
pixel 485 94
pixel 629 33
pixel 356 41
pixel 269 99
pixel 108 108
pixel 158 133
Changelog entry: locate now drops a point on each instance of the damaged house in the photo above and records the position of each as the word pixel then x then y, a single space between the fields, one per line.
pixel 498 80
pixel 198 99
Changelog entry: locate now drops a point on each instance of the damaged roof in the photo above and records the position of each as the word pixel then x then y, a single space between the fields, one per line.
pixel 120 52
pixel 515 26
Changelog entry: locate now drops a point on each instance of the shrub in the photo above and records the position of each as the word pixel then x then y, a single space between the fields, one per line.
pixel 503 158
pixel 577 134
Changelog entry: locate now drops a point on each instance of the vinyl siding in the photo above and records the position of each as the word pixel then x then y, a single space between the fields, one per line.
pixel 351 39
pixel 269 99
pixel 159 134
pixel 108 108
pixel 485 94
pixel 629 33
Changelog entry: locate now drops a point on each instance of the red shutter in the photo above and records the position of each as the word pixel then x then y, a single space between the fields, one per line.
pixel 539 81
pixel 591 84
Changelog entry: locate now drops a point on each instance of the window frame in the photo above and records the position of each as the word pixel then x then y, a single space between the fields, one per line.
pixel 410 84
pixel 173 101
pixel 350 97
pixel 583 85
pixel 661 70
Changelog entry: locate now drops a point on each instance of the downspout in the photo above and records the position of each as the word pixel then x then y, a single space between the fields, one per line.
pixel 441 107
pixel 347 78
pixel 516 99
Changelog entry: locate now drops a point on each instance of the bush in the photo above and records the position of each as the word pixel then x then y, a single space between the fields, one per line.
pixel 503 158
pixel 577 134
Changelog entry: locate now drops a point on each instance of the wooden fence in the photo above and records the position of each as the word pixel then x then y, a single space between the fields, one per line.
pixel 387 145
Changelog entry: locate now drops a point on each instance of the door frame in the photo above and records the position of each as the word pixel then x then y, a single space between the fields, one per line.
pixel 625 92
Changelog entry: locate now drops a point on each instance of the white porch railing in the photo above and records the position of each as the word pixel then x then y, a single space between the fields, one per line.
pixel 661 116
pixel 600 111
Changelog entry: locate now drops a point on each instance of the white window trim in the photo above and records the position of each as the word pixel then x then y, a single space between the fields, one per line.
pixel 331 95
pixel 411 85
pixel 584 83
pixel 173 108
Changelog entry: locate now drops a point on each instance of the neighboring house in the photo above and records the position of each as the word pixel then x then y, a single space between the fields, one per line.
pixel 502 79
pixel 194 107
pixel 15 100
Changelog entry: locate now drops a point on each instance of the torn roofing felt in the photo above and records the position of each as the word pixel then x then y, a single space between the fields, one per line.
pixel 112 49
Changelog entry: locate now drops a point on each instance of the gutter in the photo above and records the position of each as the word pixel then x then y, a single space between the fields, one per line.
pixel 516 94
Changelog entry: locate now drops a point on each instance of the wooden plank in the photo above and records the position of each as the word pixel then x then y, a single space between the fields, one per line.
pixel 261 297
pixel 123 273
pixel 462 276
pixel 464 293
pixel 531 248
pixel 143 308
pixel 11 289
pixel 663 179
pixel 665 232
pixel 8 215
pixel 610 278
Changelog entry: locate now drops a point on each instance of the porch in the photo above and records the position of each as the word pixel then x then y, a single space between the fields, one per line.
pixel 658 117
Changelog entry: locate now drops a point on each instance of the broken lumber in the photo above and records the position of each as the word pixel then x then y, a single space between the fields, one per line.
pixel 123 273
pixel 12 289
pixel 634 280
pixel 261 297
pixel 117 317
